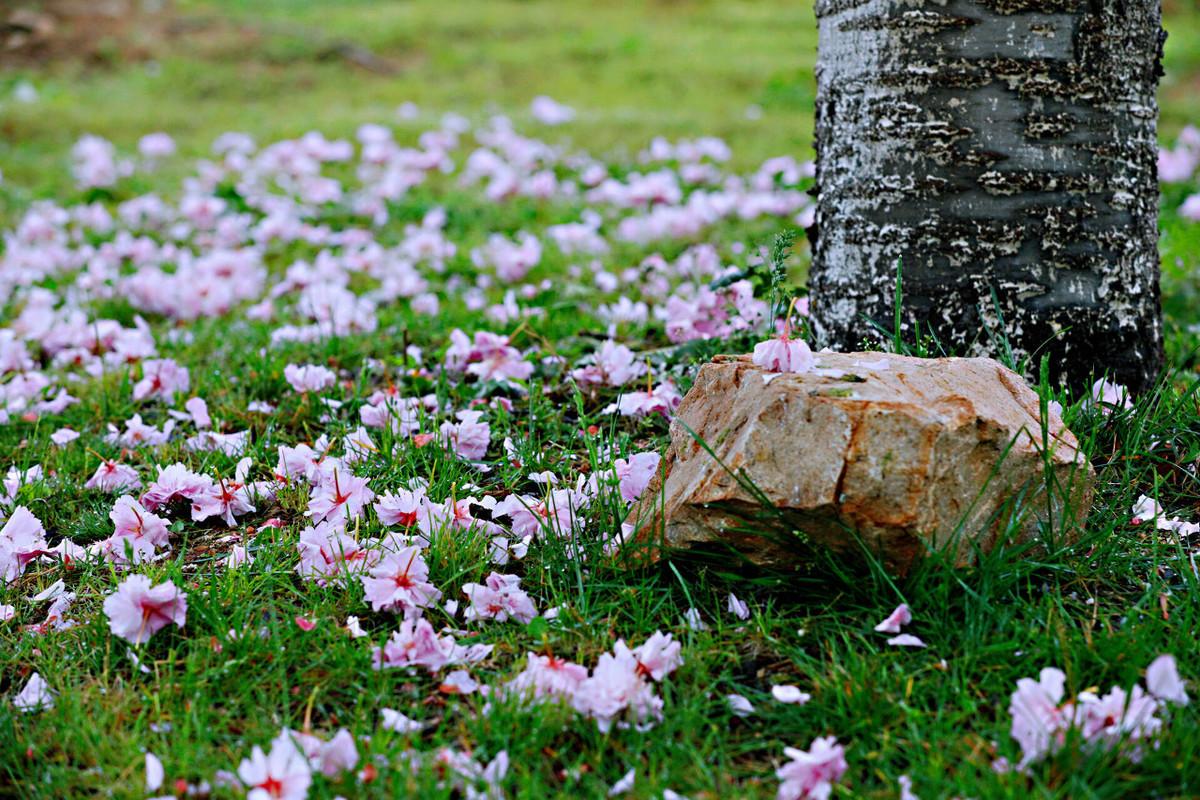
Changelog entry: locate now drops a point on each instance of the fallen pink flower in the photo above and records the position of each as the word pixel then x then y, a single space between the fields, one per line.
pixel 499 598
pixel 658 657
pixel 309 377
pixel 161 378
pixel 136 610
pixel 783 354
pixel 63 436
pixel 154 772
pixel 547 677
pixel 786 693
pixel 1163 681
pixel 736 607
pixel 283 775
pixel 906 640
pixel 810 774
pixel 400 582
pixel 395 721
pixel 901 616
pixel 111 476
pixel 36 696
pixel 458 682
pixel 340 498
pixel 415 644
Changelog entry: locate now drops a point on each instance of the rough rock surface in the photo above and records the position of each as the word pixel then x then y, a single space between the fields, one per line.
pixel 914 454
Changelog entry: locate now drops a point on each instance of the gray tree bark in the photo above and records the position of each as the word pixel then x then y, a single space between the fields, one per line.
pixel 1004 151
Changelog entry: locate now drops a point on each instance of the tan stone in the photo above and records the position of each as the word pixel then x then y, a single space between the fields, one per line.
pixel 917 455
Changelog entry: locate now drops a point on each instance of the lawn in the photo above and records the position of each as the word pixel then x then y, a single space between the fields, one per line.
pixel 367 275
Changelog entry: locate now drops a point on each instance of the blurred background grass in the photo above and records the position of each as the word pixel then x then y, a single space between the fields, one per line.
pixel 276 68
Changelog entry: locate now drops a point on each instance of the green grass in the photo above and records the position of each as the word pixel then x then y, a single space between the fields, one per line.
pixel 1101 610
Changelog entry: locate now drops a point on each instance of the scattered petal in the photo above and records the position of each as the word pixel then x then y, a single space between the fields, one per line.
pixel 787 693
pixel 905 640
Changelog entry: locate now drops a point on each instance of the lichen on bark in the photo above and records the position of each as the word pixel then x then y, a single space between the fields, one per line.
pixel 1003 152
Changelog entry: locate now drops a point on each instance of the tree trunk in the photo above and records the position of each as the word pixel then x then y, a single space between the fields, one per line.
pixel 1004 153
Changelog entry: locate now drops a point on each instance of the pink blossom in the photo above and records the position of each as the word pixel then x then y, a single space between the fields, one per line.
pixel 416 644
pixel 1190 208
pixel 330 758
pixel 161 378
pixel 283 775
pixel 787 693
pixel 811 773
pixel 658 657
pixel 397 414
pixel 489 357
pixel 354 628
pixel 469 438
pixel 197 410
pixel 458 682
pixel 64 436
pixel 1177 165
pixel 358 446
pixel 632 475
pixel 95 162
pixel 511 260
pixel 737 607
pixel 613 365
pixel 400 582
pixel 139 434
pixel 635 474
pixel 402 508
pixel 662 399
pixel 1110 396
pixel 303 461
pixel 340 497
pixel 136 529
pixel 547 677
pixel 156 145
pixel 22 539
pixel 36 696
pixel 499 598
pixel 783 354
pixel 136 611
pixel 12 482
pixel 1162 681
pixel 1118 718
pixel 154 772
pixel 624 785
pixel 617 689
pixel 1038 722
pixel 238 556
pixel 399 723
pixel 309 377
pixel 1147 508
pixel 113 476
pixel 326 551
pixel 557 515
pixel 549 111
pixel 176 482
pixel 906 640
pixel 900 616
pixel 225 499
pixel 739 705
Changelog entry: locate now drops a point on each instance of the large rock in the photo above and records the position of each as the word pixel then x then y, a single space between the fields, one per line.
pixel 914 454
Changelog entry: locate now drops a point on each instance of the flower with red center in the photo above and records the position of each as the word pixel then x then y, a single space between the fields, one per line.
pixel 400 583
pixel 136 610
